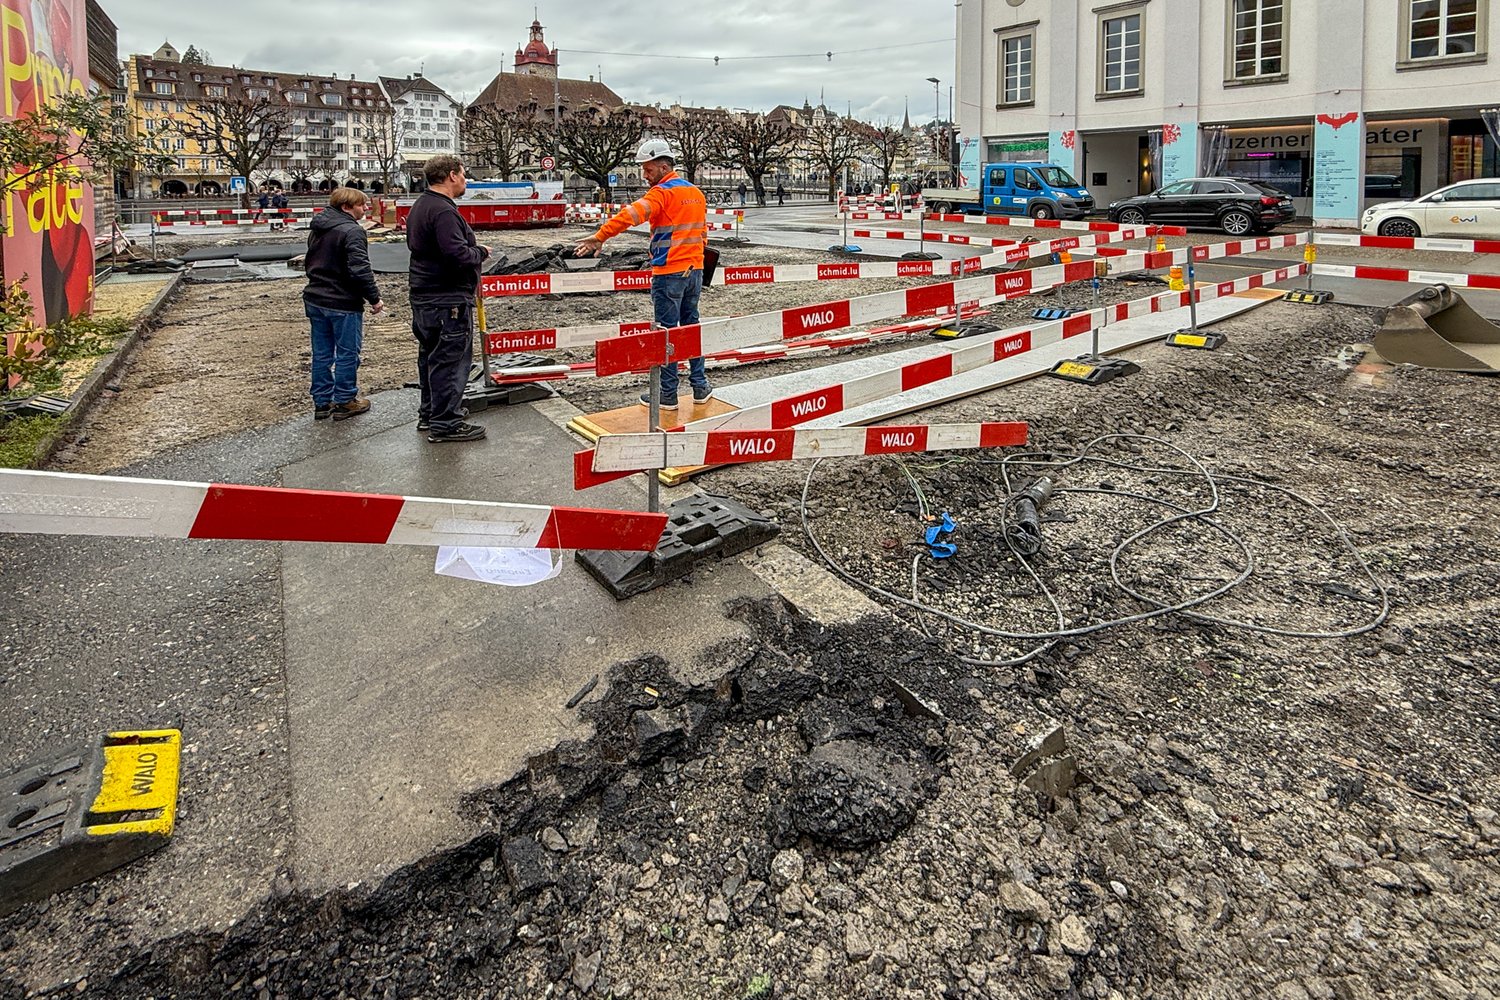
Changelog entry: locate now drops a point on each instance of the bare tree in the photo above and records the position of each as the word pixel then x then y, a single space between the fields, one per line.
pixel 243 131
pixel 498 139
pixel 592 142
pixel 756 146
pixel 694 134
pixel 384 135
pixel 884 145
pixel 831 144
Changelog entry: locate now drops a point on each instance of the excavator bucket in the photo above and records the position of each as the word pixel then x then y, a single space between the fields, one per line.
pixel 1435 328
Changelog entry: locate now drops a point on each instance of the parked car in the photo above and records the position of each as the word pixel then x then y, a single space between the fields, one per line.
pixel 1468 209
pixel 1237 206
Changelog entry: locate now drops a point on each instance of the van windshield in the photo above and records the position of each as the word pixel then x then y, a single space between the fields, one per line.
pixel 1056 177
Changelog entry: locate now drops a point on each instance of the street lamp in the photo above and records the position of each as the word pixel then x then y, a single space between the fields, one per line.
pixel 937 114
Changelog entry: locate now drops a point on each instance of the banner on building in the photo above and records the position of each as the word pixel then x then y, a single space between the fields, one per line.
pixel 968 160
pixel 1062 149
pixel 1338 162
pixel 1179 151
pixel 48 220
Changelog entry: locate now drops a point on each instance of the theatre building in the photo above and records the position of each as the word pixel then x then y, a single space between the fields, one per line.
pixel 1339 103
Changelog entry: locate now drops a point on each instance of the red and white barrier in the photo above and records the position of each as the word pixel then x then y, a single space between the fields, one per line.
pixel 967 355
pixel 619 455
pixel 755 355
pixel 1403 274
pixel 1406 242
pixel 167 218
pixel 58 503
pixel 640 351
pixel 567 283
pixel 962 239
pixel 1027 222
pixel 573 283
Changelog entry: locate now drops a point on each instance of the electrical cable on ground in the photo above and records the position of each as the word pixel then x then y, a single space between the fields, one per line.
pixel 1179 515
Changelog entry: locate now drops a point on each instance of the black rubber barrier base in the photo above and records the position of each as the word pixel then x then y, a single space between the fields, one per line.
pixel 1093 371
pixel 75 816
pixel 698 528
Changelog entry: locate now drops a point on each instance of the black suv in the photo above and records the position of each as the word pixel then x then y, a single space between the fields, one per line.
pixel 1238 207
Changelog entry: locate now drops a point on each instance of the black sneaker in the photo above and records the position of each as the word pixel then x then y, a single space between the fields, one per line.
pixel 463 432
pixel 424 424
pixel 665 404
pixel 323 412
pixel 701 396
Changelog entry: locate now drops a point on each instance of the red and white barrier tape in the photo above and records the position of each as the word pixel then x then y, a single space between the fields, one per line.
pixel 619 455
pixel 639 351
pixel 1406 242
pixel 1402 274
pixel 58 503
pixel 967 355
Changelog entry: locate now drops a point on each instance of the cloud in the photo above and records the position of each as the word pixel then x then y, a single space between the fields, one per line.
pixel 462 51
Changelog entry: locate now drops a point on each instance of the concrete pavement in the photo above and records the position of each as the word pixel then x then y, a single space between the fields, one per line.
pixel 336 701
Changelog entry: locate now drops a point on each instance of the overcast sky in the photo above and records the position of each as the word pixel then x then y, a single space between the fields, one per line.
pixel 464 46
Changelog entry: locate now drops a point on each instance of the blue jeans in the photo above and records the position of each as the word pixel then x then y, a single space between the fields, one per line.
pixel 336 339
pixel 675 300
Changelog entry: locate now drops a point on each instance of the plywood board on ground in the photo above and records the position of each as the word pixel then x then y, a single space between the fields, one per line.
pixel 633 420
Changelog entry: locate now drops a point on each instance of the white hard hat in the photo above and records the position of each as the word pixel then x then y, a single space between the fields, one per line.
pixel 654 149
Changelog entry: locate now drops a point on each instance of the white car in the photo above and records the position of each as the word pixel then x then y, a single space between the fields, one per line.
pixel 1468 209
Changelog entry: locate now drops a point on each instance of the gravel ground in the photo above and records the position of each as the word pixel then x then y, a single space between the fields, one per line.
pixel 1255 813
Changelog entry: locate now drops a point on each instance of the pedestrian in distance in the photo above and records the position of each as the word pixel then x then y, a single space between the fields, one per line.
pixel 339 283
pixel 742 190
pixel 678 216
pixel 445 263
pixel 780 194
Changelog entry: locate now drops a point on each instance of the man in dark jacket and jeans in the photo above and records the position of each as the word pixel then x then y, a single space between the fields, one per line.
pixel 339 283
pixel 445 261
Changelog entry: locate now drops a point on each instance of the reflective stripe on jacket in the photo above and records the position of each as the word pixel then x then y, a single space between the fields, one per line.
pixel 678 214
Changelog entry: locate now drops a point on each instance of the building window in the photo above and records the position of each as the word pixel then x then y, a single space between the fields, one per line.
pixel 1015 66
pixel 161 88
pixel 333 100
pixel 1120 54
pixel 257 94
pixel 1440 29
pixel 1257 38
pixel 296 97
pixel 213 90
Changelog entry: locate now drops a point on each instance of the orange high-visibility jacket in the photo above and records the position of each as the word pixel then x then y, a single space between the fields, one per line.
pixel 678 215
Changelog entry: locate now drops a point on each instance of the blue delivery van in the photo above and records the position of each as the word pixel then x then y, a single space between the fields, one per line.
pixel 1040 190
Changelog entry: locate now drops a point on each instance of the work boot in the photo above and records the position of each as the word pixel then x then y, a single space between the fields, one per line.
pixel 463 432
pixel 322 411
pixel 353 408
pixel 703 395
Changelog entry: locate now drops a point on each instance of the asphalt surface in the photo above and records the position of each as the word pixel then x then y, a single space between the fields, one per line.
pixel 336 701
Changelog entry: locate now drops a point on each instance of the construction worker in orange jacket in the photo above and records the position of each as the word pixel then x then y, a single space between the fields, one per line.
pixel 678 215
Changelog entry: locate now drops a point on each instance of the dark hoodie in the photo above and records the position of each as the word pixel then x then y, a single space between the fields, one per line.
pixel 338 264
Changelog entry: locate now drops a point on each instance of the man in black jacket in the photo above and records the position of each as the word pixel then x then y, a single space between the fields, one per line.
pixel 339 283
pixel 445 261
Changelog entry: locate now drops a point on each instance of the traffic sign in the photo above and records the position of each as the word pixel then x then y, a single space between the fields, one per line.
pixel 614 179
pixel 549 163
pixel 238 185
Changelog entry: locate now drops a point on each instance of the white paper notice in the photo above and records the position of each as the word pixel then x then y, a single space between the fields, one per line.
pixel 506 567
